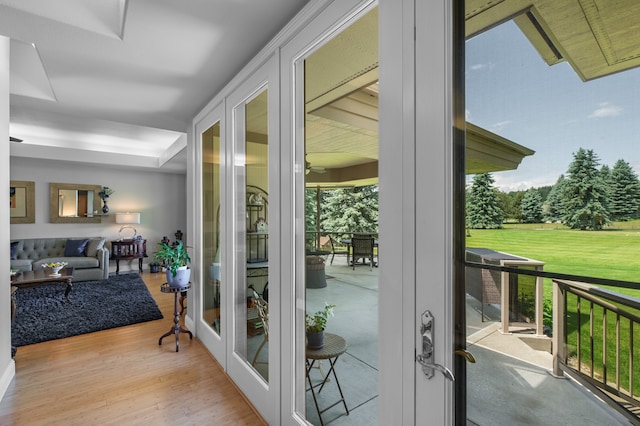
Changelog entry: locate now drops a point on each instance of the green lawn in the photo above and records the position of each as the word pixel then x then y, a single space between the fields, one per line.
pixel 613 253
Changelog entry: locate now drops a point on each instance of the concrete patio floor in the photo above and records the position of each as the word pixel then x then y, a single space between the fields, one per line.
pixel 509 385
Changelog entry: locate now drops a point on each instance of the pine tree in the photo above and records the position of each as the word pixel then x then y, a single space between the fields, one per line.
pixel 585 193
pixel 532 206
pixel 624 192
pixel 554 210
pixel 351 210
pixel 483 211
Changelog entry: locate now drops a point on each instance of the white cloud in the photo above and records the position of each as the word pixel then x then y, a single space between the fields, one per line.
pixel 496 127
pixel 606 109
pixel 467 114
pixel 480 67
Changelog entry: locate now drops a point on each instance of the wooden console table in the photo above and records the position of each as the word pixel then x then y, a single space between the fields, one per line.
pixel 128 249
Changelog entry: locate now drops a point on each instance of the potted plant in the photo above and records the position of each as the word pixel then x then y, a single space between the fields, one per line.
pixel 315 325
pixel 104 194
pixel 176 260
pixel 154 266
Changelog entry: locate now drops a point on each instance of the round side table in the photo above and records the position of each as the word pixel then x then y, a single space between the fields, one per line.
pixel 177 328
pixel 334 346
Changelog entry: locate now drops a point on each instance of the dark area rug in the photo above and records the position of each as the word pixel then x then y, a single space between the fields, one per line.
pixel 44 314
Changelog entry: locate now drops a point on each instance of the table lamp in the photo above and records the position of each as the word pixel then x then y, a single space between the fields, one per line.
pixel 128 219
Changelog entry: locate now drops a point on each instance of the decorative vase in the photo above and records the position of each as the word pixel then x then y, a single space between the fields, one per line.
pixel 315 340
pixel 55 271
pixel 181 279
pixel 105 208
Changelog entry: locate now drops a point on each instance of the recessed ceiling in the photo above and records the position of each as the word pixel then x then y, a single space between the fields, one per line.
pixel 124 78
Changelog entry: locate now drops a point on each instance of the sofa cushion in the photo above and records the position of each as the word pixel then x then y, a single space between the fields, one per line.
pixel 14 249
pixel 22 264
pixel 75 248
pixel 94 245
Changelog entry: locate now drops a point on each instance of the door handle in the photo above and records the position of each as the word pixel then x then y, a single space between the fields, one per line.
pixel 426 358
pixel 466 355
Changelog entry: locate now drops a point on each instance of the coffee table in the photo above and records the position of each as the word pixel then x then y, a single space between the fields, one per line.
pixel 30 279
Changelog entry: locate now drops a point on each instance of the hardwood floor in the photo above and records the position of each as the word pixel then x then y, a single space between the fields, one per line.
pixel 122 376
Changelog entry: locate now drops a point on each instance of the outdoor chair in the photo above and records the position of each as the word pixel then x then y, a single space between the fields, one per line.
pixel 362 248
pixel 338 252
pixel 263 313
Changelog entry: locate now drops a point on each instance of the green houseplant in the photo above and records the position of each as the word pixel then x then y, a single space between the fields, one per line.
pixel 154 266
pixel 315 325
pixel 176 259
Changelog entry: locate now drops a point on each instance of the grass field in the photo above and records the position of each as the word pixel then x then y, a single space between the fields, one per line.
pixel 613 254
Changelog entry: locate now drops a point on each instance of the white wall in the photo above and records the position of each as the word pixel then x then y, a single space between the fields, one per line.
pixel 7 366
pixel 160 198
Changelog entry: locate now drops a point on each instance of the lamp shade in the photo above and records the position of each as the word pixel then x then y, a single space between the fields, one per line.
pixel 127 217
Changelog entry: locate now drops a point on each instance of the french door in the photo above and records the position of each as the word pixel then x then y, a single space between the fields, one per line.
pixel 417 173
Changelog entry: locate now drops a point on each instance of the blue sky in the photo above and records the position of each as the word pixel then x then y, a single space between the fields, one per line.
pixel 511 91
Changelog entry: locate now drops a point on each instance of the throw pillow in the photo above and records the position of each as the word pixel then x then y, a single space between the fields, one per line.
pixel 94 245
pixel 75 248
pixel 14 249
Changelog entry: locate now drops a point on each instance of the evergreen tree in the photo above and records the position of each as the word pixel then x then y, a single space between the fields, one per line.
pixel 624 192
pixel 544 192
pixel 483 211
pixel 310 209
pixel 584 195
pixel 351 210
pixel 516 205
pixel 605 172
pixel 554 210
pixel 531 206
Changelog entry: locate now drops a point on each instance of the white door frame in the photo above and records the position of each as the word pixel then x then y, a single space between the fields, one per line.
pixel 318 30
pixel 415 179
pixel 415 173
pixel 215 343
pixel 264 396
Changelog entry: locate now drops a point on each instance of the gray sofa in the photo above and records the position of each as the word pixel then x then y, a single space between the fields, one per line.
pixel 90 261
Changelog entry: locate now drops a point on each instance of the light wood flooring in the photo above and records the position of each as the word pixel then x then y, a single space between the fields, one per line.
pixel 123 377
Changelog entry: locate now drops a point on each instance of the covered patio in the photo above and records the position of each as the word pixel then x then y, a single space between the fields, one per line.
pixel 509 384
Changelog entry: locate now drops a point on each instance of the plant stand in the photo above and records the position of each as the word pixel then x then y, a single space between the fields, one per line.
pixel 177 328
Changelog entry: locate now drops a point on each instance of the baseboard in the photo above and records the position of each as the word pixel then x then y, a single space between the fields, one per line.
pixel 7 377
pixel 190 324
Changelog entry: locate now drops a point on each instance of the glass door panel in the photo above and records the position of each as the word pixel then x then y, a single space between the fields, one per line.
pixel 211 201
pixel 565 201
pixel 341 200
pixel 252 293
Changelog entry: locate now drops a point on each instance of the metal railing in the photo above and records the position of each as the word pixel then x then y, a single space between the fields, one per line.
pixel 593 341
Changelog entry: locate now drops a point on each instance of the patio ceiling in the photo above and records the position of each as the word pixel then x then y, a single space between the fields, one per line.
pixel 597 38
pixel 342 115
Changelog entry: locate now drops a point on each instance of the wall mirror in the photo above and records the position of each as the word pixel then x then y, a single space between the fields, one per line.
pixel 22 202
pixel 74 203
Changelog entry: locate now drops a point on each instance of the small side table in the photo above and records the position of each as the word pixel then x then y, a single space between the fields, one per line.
pixel 127 250
pixel 334 346
pixel 177 328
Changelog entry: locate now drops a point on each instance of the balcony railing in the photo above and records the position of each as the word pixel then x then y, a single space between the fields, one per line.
pixel 593 341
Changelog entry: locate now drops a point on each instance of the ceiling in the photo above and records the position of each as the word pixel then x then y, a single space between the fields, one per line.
pixel 118 81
